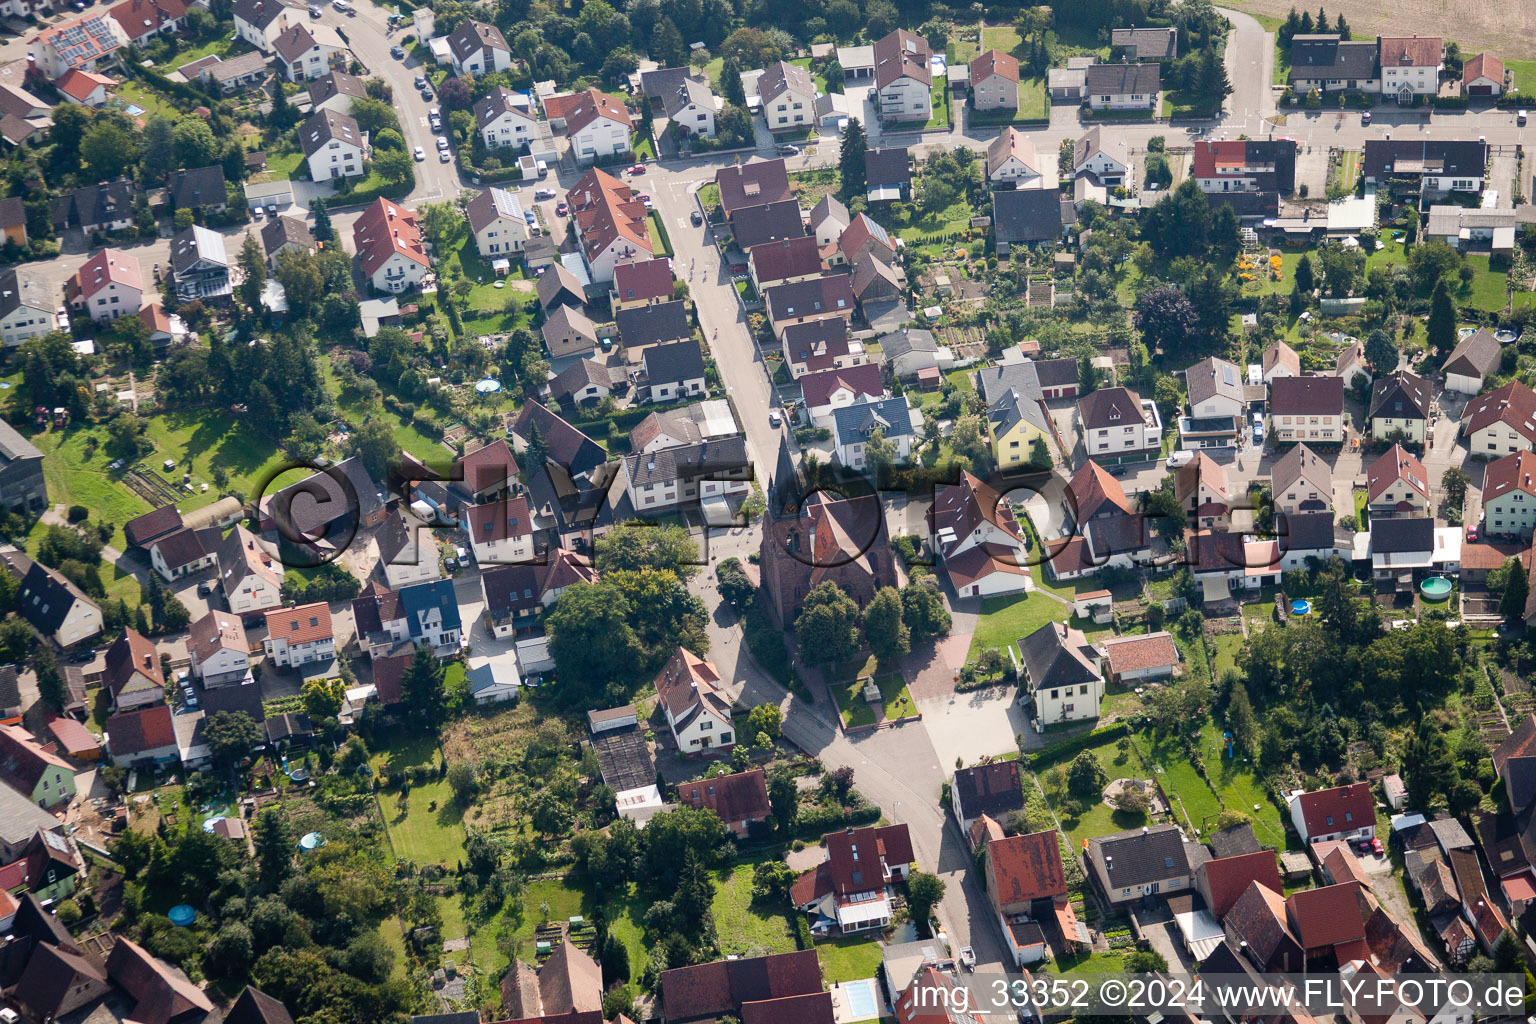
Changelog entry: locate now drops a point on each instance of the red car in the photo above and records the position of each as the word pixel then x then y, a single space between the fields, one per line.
pixel 637 169
pixel 1471 533
pixel 1376 847
pixel 562 210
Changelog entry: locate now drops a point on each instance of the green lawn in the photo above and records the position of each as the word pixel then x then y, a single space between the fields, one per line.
pixel 1489 287
pixel 658 234
pixel 849 959
pixel 1524 72
pixel 1229 647
pixel 1263 283
pixel 745 928
pixel 223 47
pixel 1087 963
pixel 1033 106
pixel 938 97
pixel 486 297
pixel 1098 818
pixel 1194 803
pixel 132 91
pixel 350 405
pixel 283 165
pixel 1005 620
pixel 1001 37
pixel 817 78
pixel 643 148
pixel 426 826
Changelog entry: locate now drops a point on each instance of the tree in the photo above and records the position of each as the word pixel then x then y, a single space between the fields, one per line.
pixel 923 611
pixel 1166 319
pixel 194 143
pixel 1427 767
pixel 374 443
pixel 783 797
pixel 635 547
pixel 274 849
pixel 1381 352
pixel 667 44
pixel 730 83
pixel 1442 319
pixel 322 230
pixel 254 262
pixel 924 891
pixel 885 632
pixel 736 587
pixel 323 697
pixel 764 719
pixel 1146 961
pixel 173 616
pixel 827 624
pixel 394 166
pixel 1305 281
pixel 1517 588
pixel 50 681
pixel 590 637
pixel 441 223
pixel 1242 722
pixel 230 954
pixel 421 688
pixel 771 880
pixel 1086 777
pixel 1213 81
pixel 1454 483
pixel 851 160
pixel 231 736
pixel 132 851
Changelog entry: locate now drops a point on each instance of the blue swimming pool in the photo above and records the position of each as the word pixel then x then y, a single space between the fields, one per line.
pixel 862 1002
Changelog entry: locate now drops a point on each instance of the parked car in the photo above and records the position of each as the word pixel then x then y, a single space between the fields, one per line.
pixel 205 588
pixel 426 94
pixel 562 210
pixel 696 218
pixel 421 81
pixel 637 169
pixel 788 150
pixel 341 5
pixel 437 123
pixel 256 214
pixel 968 957
pixel 1376 847
pixel 421 154
pixel 774 419
pixel 397 52
pixel 314 10
pixel 542 194
pixel 1471 534
pixel 1177 459
pixel 444 157
pixel 442 143
pixel 1520 117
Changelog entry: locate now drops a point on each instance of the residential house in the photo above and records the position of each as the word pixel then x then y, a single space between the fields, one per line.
pixel 828 390
pixel 1400 408
pixel 298 636
pixel 584 383
pixel 566 987
pixel 387 239
pixel 334 147
pixel 752 184
pixel 912 350
pixel 689 104
pixel 563 569
pixel 980 542
pixel 1436 167
pixel 1350 363
pixel 84 88
pixel 789 304
pixel 610 223
pixel 1123 86
pixel 22 486
pixel 57 980
pixel 1145 44
pixel 327 507
pixel 238 72
pixel 829 219
pixel 83 44
pixel 1152 861
pixel 107 286
pixel 557 286
pixel 1326 63
pixel 1060 674
pixel 142 20
pixel 864 239
pixel 1108 528
pixel 994 79
pixel 575 453
pixel 1011 158
pixel 653 324
pixel 407 552
pixel 1245 165
pixel 1472 362
pixel 1133 660
pixel 708 474
pixel 674 370
pixel 478 48
pixel 13 213
pixel 146 736
pixel 1301 482
pixel 26 306
pixel 767 222
pixel 1224 880
pixel 95 209
pixel 1402 546
pixel 754 988
pixel 698 712
pixel 501 532
pixel 260 22
pixel 641 282
pixel 200 265
pixel 502 119
pixel 511 598
pixel 489 473
pixel 198 188
pixel 854 428
pixel 1306 409
pixel 1102 157
pixel 568 332
pixel 1202 490
pixel 251 578
pixel 1217 406
pixel 286 234
pixel 788 96
pixel 308 50
pixel 1481 230
pixel 1018 424
pixel 850 890
pixel 219 651
pixel 132 673
pixel 1280 360
pixel 821 539
pixel 1483 77
pixel 334 91
pixel 787 260
pixel 1259 925
pixel 993 789
pixel 903 76
pixel 1027 884
pixel 1501 421
pixel 1028 217
pixel 497 222
pixel 1509 495
pixel 879 288
pixel 185 551
pixel 887 174
pixel 1065 85
pixel 161 993
pixel 1342 812
pixel 55 607
pixel 598 126
pixel 818 345
pixel 1410 66
pixel 425 614
pixel 740 800
pixel 1118 424
pixel 38 774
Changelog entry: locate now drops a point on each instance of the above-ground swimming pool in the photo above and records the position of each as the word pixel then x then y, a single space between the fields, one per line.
pixel 1436 588
pixel 1301 606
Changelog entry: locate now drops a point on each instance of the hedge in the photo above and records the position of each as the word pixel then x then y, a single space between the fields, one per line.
pixel 803 937
pixel 1066 748
pixel 362 197
pixel 181 90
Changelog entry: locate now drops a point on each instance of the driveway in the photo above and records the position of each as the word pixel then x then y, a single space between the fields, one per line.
pixel 970 726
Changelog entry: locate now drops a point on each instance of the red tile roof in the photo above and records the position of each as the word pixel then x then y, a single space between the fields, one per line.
pixel 490 466
pixel 1227 878
pixel 136 732
pixel 305 624
pixel 23 760
pixel 1513 404
pixel 604 209
pixel 1339 809
pixel 687 679
pixel 1091 487
pixel 864 379
pixel 384 229
pixel 1327 916
pixel 591 105
pixel 1139 653
pixel 994 62
pixel 388 671
pixel 643 280
pixel 708 991
pixel 855 856
pixel 78 85
pixel 1397 464
pixel 1410 51
pixel 163 992
pixel 1484 65
pixel 786 258
pixel 1026 867
pixel 108 266
pixel 499 520
pixel 130 653
pixel 735 798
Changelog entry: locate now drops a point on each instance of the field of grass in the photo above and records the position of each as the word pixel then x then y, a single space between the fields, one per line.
pixel 351 405
pixel 1004 620
pixel 938 102
pixel 283 165
pixel 136 93
pixel 1001 37
pixel 1087 963
pixel 894 698
pixel 425 825
pixel 486 297
pixel 1194 803
pixel 1264 284
pixel 848 959
pixel 1228 647
pixel 658 234
pixel 744 928
pixel 1524 72
pixel 1098 818
pixel 222 47
pixel 1489 287
pixel 643 147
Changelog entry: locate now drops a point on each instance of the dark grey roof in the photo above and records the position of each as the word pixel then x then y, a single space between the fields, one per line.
pixel 1028 214
pixel 908 339
pixel 474 35
pixel 1214 378
pixel 767 222
pixel 727 455
pixel 1477 355
pixel 310 513
pixel 22 286
pixel 1247 204
pixel 1110 407
pixel 325 126
pixel 13 446
pixel 1050 661
pixel 1129 859
pixel 887 167
pixel 1314 57
pixel 255 1006
pixel 195 245
pixel 1122 80
pixel 658 82
pixel 1403 395
pixel 420 598
pixel 1389 158
pixel 997 381
pixel 337 83
pixel 46 597
pixel 511 590
pixel 567 447
pixel 855 423
pixel 1234 840
pixel 1398 536
pixel 675 363
pixel 581 374
pixel 1147 42
pixel 10 688
pixel 259 13
pixel 821 295
pixel 281 231
pixel 1305 531
pixel 199 186
pixel 651 323
pixel 94 204
pixel 1056 373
